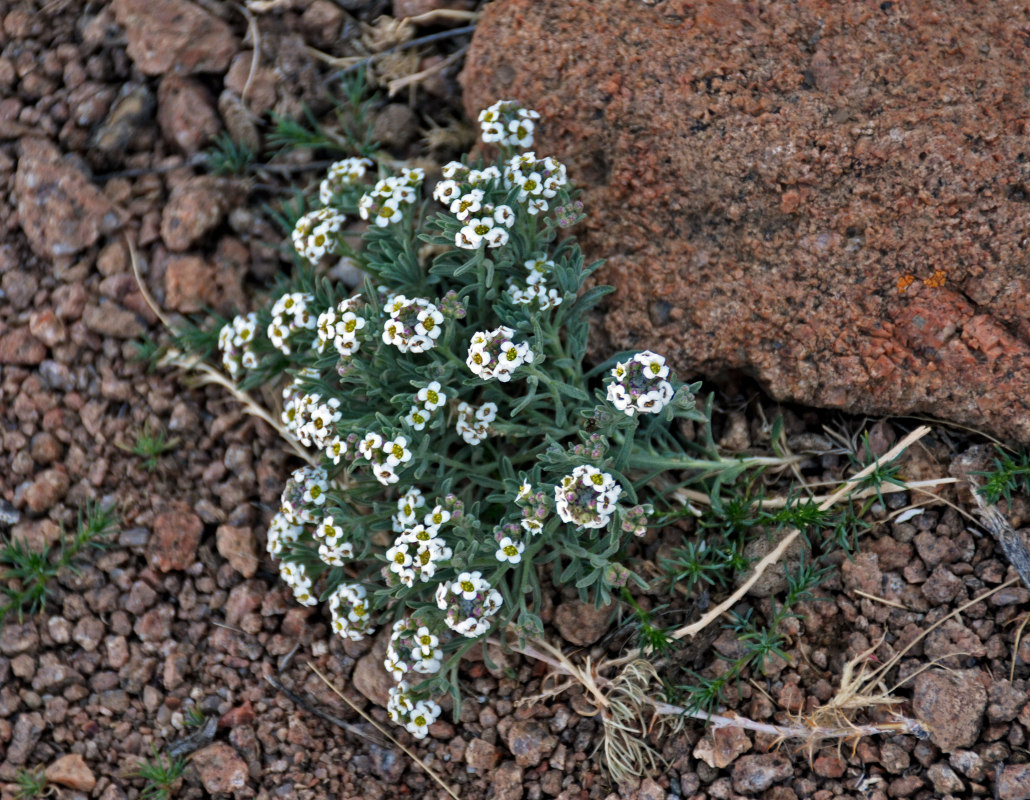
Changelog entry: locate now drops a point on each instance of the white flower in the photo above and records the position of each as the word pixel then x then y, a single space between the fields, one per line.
pixel 384 474
pixel 467 205
pixel 520 132
pixel 503 215
pixel 509 551
pixel 396 451
pixel 417 418
pixel 447 192
pixel 399 557
pixel 536 206
pixel 468 583
pixel 437 517
pixel 532 526
pixel 427 642
pixel 389 212
pixel 431 396
pixel 371 443
pixel 492 132
pixel 452 169
pixel 496 237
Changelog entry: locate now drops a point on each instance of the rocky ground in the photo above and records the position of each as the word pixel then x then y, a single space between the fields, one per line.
pixel 103 110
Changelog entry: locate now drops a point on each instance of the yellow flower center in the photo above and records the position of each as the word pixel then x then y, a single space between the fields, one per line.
pixel 511 550
pixel 466 586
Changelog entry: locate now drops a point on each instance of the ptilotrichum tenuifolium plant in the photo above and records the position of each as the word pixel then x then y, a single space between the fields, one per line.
pixel 461 448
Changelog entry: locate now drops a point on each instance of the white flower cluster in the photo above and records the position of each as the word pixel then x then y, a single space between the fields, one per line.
pixel 538 179
pixel 341 175
pixel 508 124
pixel 428 399
pixel 536 293
pixel 417 553
pixel 474 421
pixel 414 325
pixel 332 548
pixel 386 203
pixel 282 532
pixel 290 313
pixel 640 384
pixel 412 648
pixel 485 223
pixel 234 341
pixel 587 497
pixel 314 235
pixel 415 716
pixel 352 618
pixel 493 354
pixel 296 577
pixel 408 505
pixel 303 495
pixel 312 421
pixel 385 455
pixel 470 603
pixel 341 327
pixel 534 508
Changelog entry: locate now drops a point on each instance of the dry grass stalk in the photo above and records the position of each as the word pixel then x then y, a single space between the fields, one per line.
pixel 407 751
pixel 630 712
pixel 203 373
pixel 685 496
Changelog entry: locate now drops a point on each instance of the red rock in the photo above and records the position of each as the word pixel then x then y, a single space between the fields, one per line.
pixel 71 771
pixel 236 545
pixel 47 327
pixel 754 774
pixel 370 677
pixel 174 542
pixel 110 319
pixel 186 113
pixel 951 705
pixel 220 768
pixel 240 715
pixel 37 535
pixel 19 346
pixel 1014 782
pixel 829 765
pixel 59 210
pixel 829 197
pixel 581 623
pixel 196 207
pixel 722 746
pixel 530 742
pixel 189 284
pixel 482 755
pixel 47 489
pixel 174 36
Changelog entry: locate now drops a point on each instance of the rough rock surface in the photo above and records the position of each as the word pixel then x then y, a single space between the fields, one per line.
pixel 60 211
pixel 174 35
pixel 830 197
pixel 952 706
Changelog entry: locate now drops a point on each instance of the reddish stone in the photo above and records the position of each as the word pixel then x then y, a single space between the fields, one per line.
pixel 60 211
pixel 19 346
pixel 189 284
pixel 174 36
pixel 186 113
pixel 174 542
pixel 831 197
pixel 240 715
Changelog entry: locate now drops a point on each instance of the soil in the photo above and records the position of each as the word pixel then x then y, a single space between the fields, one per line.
pixel 184 616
